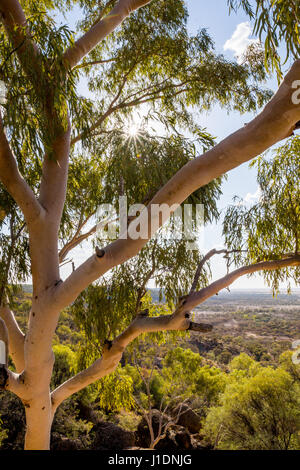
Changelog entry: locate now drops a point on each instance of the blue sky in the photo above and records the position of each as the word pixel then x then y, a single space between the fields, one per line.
pixel 241 181
pixel 214 16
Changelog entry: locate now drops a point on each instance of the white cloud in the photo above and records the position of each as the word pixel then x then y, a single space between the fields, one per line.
pixel 240 40
pixel 253 197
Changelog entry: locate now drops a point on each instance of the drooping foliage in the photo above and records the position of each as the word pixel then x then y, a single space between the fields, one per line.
pixel 270 228
pixel 276 22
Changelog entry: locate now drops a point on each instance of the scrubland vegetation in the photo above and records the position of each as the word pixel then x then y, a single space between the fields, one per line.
pixel 239 391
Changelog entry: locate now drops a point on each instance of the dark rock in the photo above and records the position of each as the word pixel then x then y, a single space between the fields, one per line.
pixel 59 443
pixel 189 419
pixel 109 436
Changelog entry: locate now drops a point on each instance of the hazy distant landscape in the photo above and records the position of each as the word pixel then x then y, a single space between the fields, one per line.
pixel 250 321
pixel 243 296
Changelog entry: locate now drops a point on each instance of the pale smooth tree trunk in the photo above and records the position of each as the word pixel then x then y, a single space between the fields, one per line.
pixel 33 355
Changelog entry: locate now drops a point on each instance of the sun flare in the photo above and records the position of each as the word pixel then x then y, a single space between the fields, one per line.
pixel 133 129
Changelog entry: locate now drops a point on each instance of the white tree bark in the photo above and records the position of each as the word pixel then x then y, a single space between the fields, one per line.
pixel 100 30
pixel 33 354
pixel 15 337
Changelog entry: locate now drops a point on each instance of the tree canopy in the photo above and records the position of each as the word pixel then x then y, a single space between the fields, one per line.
pixel 64 153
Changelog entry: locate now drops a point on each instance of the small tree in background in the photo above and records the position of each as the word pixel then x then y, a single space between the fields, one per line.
pixel 151 409
pixel 259 409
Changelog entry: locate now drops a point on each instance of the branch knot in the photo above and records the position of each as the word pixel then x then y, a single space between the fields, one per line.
pixel 99 252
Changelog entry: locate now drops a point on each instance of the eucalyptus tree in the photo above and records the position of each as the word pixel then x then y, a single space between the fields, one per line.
pixel 277 24
pixel 132 53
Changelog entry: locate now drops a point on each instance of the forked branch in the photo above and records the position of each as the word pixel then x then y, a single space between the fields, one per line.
pixel 101 30
pixel 81 237
pixel 178 321
pixel 199 297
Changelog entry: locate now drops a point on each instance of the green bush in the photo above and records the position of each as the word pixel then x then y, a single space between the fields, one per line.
pixel 65 364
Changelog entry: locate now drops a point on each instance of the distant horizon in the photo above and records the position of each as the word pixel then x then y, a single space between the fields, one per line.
pixel 282 291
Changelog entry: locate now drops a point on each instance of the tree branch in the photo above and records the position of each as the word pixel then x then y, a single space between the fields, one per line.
pixel 274 123
pixel 15 24
pixel 199 297
pixel 100 30
pixel 178 321
pixel 15 336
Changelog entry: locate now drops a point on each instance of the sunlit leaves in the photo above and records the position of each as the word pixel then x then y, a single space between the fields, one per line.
pixel 270 228
pixel 258 411
pixel 115 391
